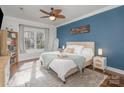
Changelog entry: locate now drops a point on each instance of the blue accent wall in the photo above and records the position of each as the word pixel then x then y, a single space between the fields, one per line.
pixel 106 30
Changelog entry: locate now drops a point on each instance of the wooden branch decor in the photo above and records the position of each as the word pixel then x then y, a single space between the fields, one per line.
pixel 81 29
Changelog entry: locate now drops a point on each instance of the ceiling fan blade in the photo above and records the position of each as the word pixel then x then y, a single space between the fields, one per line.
pixel 57 11
pixel 44 12
pixel 60 16
pixel 44 16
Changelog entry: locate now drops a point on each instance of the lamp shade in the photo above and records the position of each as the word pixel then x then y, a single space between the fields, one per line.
pixel 63 47
pixel 100 52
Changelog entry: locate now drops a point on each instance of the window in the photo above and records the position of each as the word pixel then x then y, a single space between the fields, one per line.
pixel 34 40
pixel 40 40
pixel 29 40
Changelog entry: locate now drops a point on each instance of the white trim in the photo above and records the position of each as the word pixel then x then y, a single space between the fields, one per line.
pixel 91 14
pixel 115 70
pixel 21 20
pixel 28 56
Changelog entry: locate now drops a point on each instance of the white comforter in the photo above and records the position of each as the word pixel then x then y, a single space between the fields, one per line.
pixel 62 66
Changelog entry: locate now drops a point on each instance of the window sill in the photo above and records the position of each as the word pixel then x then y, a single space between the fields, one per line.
pixel 31 51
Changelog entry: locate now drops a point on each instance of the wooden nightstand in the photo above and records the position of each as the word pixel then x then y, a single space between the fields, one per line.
pixel 100 62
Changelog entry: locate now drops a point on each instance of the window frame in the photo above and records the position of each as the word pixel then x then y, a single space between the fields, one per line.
pixel 35 43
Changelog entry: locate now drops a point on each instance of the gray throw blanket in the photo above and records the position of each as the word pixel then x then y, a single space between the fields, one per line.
pixel 46 59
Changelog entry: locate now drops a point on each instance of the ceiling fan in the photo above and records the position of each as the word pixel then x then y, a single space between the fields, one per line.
pixel 53 15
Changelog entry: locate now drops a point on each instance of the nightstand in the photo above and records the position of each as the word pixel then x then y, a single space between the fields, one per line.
pixel 100 62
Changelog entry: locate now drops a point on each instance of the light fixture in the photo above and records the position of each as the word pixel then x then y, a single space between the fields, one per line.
pixel 100 52
pixel 52 18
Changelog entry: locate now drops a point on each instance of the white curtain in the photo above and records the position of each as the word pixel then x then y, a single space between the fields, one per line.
pixel 46 39
pixel 56 44
pixel 21 38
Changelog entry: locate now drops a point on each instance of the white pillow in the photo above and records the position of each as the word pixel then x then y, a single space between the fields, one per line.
pixel 77 48
pixel 86 52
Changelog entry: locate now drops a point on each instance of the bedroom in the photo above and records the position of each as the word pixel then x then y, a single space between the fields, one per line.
pixel 62 40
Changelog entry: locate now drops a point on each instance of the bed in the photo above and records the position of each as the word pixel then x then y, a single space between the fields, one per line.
pixel 90 45
pixel 70 62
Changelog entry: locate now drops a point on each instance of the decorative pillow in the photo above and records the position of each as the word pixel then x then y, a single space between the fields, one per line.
pixel 77 48
pixel 69 50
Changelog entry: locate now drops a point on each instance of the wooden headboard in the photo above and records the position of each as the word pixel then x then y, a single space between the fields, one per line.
pixel 85 44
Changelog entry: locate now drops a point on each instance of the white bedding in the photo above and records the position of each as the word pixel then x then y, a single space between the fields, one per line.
pixel 87 53
pixel 62 66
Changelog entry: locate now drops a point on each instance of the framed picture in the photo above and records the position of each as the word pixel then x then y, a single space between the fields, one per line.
pixel 81 29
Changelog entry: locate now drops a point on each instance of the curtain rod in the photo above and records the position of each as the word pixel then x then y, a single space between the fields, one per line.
pixel 32 26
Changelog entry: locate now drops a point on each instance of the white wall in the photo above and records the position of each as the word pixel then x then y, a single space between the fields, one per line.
pixel 12 22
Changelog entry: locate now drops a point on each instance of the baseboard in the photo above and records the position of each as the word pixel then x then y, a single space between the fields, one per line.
pixel 29 60
pixel 115 70
pixel 28 56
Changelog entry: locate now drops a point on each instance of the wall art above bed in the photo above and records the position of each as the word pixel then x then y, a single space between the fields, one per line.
pixel 80 30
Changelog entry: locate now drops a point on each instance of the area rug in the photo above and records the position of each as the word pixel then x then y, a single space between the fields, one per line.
pixel 32 74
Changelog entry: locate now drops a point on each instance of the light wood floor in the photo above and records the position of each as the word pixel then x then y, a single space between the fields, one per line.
pixel 106 83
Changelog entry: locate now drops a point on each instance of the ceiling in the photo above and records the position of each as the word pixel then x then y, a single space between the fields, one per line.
pixel 32 12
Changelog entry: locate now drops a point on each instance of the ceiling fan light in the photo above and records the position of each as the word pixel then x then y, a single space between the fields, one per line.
pixel 52 18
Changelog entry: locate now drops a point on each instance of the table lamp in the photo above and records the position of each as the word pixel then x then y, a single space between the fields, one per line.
pixel 100 52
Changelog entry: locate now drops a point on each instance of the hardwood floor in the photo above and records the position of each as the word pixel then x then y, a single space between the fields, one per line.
pixel 15 67
pixel 113 82
pixel 106 83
